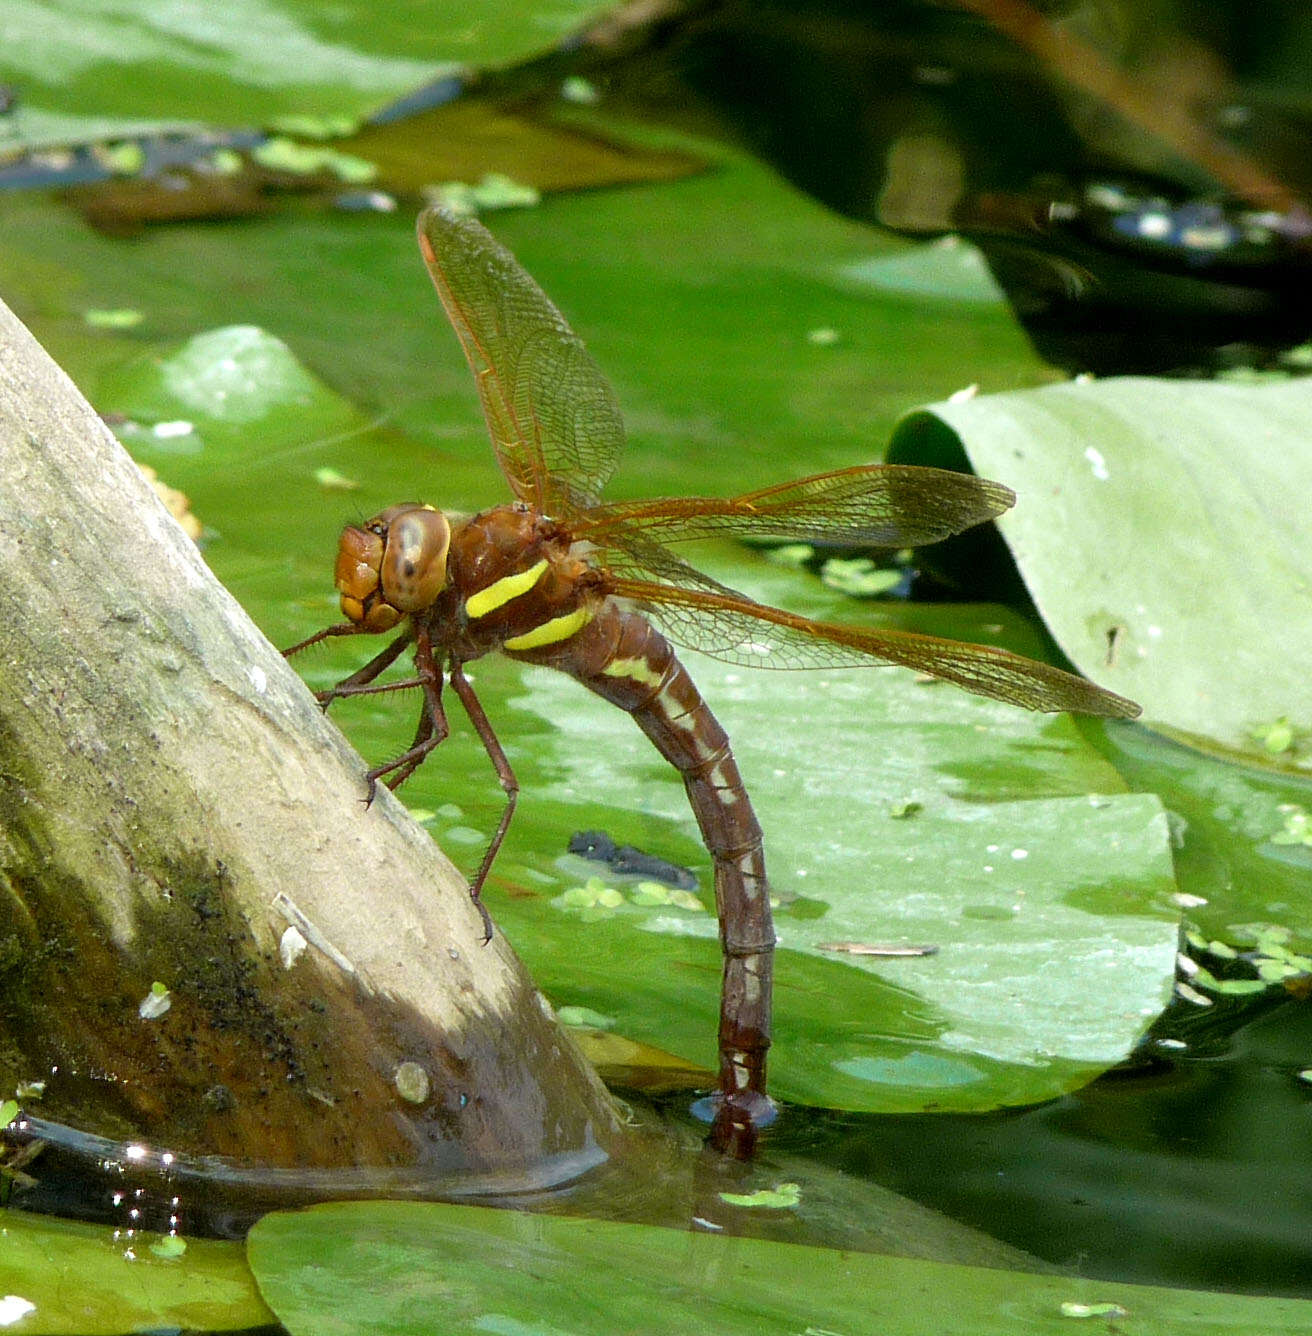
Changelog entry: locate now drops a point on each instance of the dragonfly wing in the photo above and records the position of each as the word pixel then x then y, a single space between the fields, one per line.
pixel 728 626
pixel 882 505
pixel 553 417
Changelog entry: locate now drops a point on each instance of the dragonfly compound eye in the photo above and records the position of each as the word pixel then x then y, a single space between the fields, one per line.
pixel 413 570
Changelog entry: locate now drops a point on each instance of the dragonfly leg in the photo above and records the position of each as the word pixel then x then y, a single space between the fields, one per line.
pixel 429 733
pixel 357 683
pixel 328 633
pixel 509 784
pixel 432 729
pixel 326 698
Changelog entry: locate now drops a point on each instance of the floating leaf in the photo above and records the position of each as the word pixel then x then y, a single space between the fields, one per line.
pixel 1238 987
pixel 281 154
pixel 1052 918
pixel 1276 737
pixel 125 318
pixel 125 159
pixel 859 576
pixel 1135 497
pixel 313 127
pixel 228 381
pixel 102 1281
pixel 1071 1309
pixel 332 481
pixel 390 1267
pixel 494 191
pixel 176 65
pixel 579 91
pixel 585 1016
pixel 1297 829
pixel 782 1198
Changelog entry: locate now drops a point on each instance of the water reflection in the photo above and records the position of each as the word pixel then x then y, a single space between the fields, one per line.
pixel 1190 1167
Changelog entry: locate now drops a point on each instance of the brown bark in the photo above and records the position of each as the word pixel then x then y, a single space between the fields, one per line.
pixel 171 801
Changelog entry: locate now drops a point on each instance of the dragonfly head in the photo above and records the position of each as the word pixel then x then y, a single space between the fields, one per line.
pixel 392 565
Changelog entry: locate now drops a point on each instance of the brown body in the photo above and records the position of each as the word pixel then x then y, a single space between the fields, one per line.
pixel 561 579
pixel 621 657
pixel 616 653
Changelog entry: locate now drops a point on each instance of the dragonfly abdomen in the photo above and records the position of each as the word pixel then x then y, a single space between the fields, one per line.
pixel 621 657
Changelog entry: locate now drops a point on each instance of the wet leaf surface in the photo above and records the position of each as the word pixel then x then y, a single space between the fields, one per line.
pixel 396 1268
pixel 102 1280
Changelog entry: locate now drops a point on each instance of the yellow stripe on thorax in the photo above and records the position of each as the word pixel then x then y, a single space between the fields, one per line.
pixel 502 591
pixel 558 628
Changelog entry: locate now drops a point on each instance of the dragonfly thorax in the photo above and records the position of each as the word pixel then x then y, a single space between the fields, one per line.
pixel 513 584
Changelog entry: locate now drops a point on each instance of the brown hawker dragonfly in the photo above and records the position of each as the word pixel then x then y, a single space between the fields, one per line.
pixel 556 577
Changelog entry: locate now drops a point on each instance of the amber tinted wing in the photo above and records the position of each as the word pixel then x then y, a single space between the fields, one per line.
pixel 554 421
pixel 728 626
pixel 884 505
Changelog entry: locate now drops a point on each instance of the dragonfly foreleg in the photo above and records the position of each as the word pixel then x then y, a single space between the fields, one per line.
pixel 509 784
pixel 328 633
pixel 357 683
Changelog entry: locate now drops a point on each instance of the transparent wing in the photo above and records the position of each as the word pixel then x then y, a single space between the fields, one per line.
pixel 554 421
pixel 719 622
pixel 883 505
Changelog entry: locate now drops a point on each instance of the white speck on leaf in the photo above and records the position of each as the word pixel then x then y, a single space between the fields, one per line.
pixel 13 1308
pixel 167 430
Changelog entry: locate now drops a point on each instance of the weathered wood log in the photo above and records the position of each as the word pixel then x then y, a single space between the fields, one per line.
pixel 174 808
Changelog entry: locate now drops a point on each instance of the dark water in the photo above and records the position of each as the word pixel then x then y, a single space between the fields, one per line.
pixel 1188 1167
pixel 1123 249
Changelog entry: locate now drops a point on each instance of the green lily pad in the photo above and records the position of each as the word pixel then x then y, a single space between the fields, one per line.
pixel 1047 890
pixel 281 154
pixel 1232 863
pixel 96 1279
pixel 123 65
pixel 230 380
pixel 396 1268
pixel 113 319
pixel 1161 532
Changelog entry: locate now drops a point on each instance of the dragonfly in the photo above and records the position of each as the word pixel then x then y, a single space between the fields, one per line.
pixel 594 589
